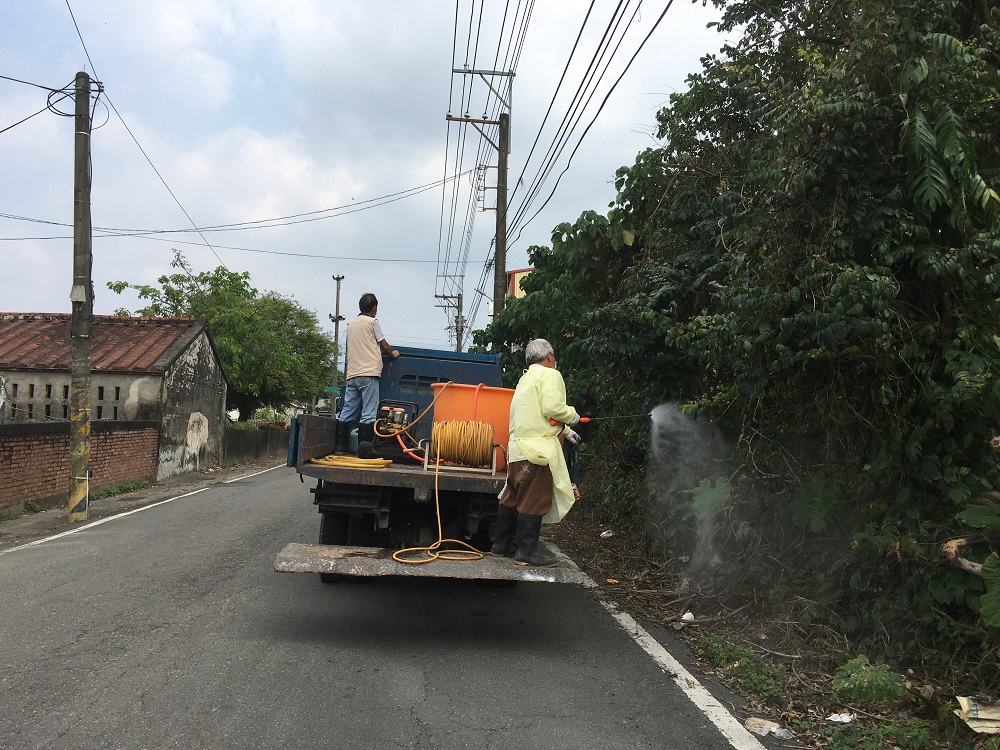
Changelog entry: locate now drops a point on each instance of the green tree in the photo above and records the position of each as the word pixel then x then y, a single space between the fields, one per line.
pixel 273 350
pixel 815 265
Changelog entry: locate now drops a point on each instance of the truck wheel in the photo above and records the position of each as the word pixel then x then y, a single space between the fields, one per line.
pixel 332 530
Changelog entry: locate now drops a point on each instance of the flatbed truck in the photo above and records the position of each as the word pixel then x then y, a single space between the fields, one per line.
pixel 368 514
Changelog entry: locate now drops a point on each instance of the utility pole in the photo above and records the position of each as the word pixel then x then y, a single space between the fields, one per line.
pixel 336 349
pixel 456 301
pixel 503 149
pixel 500 256
pixel 82 298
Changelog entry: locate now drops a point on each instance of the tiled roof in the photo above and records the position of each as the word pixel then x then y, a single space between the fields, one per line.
pixel 41 341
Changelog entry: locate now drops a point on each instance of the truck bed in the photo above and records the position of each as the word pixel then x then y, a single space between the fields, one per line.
pixel 409 475
pixel 377 561
pixel 313 437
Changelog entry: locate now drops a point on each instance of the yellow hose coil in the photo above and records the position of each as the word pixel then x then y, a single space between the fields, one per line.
pixel 465 443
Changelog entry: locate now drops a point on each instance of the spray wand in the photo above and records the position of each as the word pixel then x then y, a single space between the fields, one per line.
pixel 584 420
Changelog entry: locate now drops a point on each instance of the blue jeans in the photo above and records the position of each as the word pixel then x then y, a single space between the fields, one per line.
pixel 360 395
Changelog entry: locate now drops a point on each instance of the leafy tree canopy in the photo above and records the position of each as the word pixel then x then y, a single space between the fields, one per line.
pixel 812 260
pixel 273 350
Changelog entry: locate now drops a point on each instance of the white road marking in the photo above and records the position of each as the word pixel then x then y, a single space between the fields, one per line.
pixel 247 476
pixel 730 727
pixel 92 524
pixel 738 735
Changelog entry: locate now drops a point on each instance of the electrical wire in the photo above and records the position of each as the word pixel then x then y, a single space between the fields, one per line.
pixel 560 143
pixel 36 85
pixel 240 226
pixel 136 141
pixel 455 244
pixel 594 119
pixel 20 122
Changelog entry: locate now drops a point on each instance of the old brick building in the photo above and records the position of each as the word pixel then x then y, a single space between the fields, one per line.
pixel 158 370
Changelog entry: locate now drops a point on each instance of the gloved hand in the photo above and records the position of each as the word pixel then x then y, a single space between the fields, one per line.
pixel 576 421
pixel 573 437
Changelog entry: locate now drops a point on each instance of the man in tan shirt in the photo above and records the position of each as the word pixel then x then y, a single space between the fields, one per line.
pixel 363 354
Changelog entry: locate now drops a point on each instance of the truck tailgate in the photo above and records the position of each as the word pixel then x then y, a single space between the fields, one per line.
pixel 376 561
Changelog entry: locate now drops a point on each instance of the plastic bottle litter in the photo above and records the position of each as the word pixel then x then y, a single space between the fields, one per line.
pixel 607 534
pixel 686 618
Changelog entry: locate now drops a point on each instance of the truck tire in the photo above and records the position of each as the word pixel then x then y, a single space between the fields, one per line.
pixel 332 530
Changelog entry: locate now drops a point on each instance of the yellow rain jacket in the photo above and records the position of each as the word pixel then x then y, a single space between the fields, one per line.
pixel 540 396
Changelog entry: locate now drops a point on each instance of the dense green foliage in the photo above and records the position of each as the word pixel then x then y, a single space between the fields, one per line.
pixel 812 262
pixel 272 349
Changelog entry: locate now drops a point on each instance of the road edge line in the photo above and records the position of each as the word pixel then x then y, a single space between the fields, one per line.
pixel 92 524
pixel 262 471
pixel 730 727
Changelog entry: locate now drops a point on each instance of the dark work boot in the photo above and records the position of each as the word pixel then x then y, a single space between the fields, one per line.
pixel 503 532
pixel 528 529
pixel 343 440
pixel 366 441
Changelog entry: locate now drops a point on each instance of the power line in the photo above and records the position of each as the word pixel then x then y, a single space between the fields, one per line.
pixel 255 224
pixel 36 85
pixel 82 43
pixel 136 140
pixel 594 119
pixel 19 122
pixel 228 247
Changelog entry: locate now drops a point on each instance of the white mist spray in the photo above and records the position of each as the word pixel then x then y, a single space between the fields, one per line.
pixel 689 471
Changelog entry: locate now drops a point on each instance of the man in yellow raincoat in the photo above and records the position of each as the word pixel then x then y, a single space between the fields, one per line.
pixel 538 488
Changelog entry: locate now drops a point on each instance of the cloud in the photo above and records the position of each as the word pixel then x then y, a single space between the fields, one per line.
pixel 250 109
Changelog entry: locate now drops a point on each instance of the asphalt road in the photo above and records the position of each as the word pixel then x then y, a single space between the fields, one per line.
pixel 167 628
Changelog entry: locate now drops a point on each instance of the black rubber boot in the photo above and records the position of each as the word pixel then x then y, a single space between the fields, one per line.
pixel 343 441
pixel 366 441
pixel 503 532
pixel 528 529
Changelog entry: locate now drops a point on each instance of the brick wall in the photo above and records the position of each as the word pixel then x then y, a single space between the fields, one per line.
pixel 34 459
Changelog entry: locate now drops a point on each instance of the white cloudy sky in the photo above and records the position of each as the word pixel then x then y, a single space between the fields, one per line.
pixel 251 110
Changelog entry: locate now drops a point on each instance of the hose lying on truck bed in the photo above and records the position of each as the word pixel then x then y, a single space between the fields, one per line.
pixel 352 462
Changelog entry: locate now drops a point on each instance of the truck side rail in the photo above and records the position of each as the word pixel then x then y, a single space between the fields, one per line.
pixel 312 436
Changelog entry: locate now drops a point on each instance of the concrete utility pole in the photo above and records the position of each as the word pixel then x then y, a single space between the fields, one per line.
pixel 500 256
pixel 459 320
pixel 336 349
pixel 82 298
pixel 503 150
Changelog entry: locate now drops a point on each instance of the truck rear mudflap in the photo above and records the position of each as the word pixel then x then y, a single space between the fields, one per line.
pixel 333 560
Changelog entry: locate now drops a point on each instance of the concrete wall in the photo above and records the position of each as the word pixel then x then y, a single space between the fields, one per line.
pixel 193 406
pixel 248 445
pixel 34 459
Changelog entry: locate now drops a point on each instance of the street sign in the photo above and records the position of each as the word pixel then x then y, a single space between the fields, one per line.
pixel 328 389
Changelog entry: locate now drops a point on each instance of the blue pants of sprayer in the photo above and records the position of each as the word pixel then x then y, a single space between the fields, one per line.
pixel 360 395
